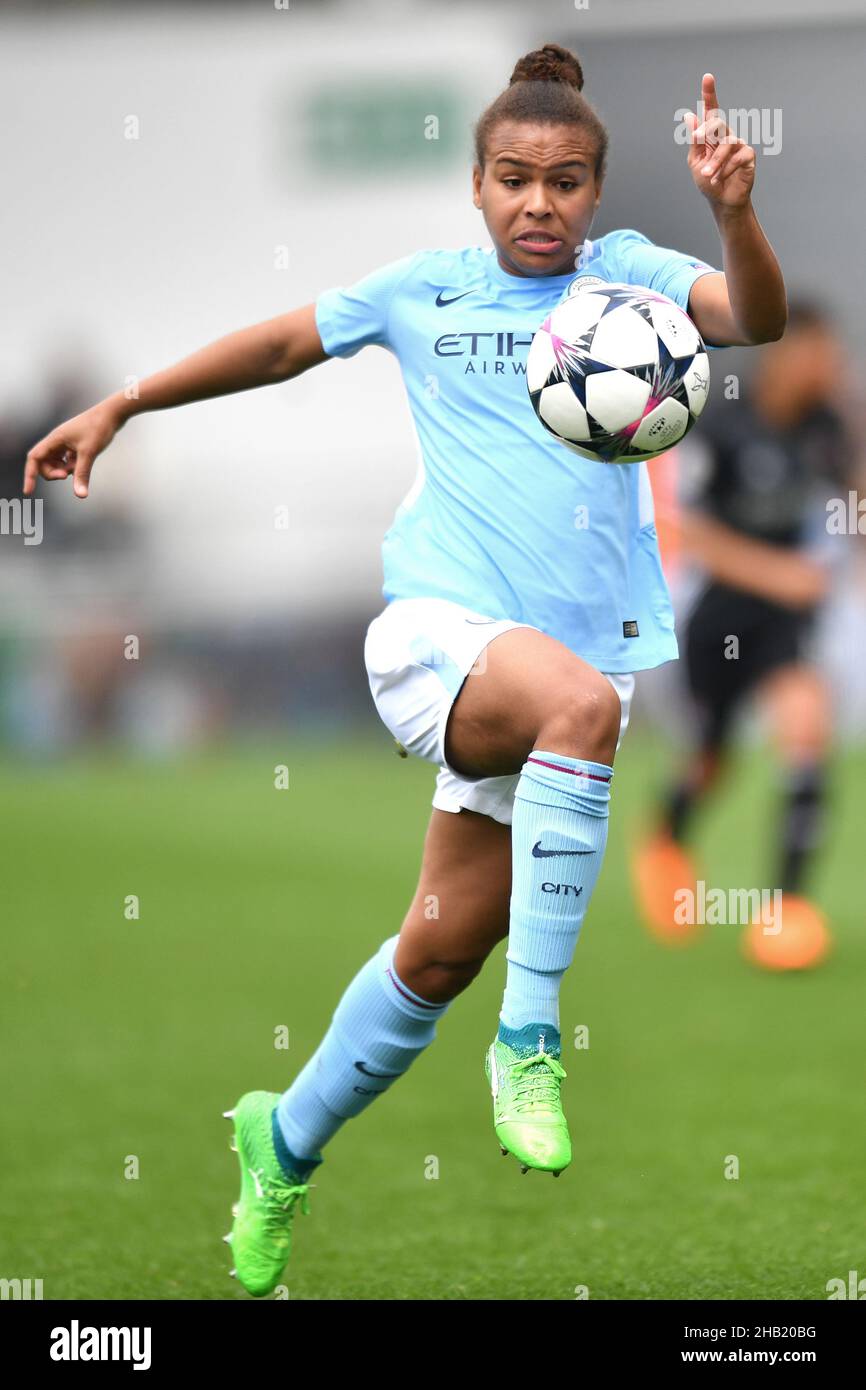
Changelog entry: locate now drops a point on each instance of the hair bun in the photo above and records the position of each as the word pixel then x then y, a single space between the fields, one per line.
pixel 552 63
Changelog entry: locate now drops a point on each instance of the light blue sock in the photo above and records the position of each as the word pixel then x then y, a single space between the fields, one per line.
pixel 378 1029
pixel 558 838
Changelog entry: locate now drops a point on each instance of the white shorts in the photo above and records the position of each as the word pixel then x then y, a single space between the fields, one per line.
pixel 418 653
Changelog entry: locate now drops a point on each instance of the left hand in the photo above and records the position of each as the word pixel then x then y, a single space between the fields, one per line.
pixel 728 161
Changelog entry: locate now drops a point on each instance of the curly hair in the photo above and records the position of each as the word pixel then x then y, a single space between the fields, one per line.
pixel 545 89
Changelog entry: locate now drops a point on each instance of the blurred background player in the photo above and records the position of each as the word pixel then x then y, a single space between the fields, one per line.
pixel 753 493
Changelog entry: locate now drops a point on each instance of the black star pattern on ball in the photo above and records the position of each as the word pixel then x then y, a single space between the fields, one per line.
pixel 617 295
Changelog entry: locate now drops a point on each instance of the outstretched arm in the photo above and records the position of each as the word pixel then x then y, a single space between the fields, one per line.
pixel 773 572
pixel 261 355
pixel 747 303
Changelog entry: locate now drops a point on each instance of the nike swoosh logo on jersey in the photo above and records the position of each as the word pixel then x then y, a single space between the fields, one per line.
pixel 453 300
pixel 539 853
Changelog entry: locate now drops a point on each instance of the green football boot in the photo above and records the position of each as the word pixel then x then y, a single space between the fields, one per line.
pixel 527 1109
pixel 261 1236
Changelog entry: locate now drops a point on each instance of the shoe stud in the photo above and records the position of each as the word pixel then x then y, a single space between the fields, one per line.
pixel 235 1208
pixel 524 1168
pixel 228 1238
pixel 233 1274
pixel 233 1146
pixel 556 1172
pixel 504 1152
pixel 228 1114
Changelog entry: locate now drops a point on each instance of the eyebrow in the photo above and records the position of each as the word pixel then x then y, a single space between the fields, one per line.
pixel 519 163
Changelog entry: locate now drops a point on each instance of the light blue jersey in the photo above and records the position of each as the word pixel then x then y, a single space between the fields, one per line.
pixel 502 518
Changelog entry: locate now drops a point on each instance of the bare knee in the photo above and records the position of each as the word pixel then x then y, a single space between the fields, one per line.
pixel 798 703
pixel 584 722
pixel 708 767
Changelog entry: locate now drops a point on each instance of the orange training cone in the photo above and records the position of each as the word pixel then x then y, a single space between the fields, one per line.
pixel 802 942
pixel 661 870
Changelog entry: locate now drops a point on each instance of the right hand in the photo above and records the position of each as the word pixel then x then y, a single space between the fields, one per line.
pixel 72 447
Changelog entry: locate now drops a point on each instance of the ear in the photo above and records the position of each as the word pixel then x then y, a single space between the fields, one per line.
pixel 476 185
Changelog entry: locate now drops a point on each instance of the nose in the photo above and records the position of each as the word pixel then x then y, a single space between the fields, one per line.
pixel 537 202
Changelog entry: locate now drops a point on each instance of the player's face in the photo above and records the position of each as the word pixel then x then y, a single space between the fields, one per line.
pixel 808 362
pixel 538 195
pixel 823 363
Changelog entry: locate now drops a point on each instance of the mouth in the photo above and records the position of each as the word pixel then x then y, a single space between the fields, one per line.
pixel 542 243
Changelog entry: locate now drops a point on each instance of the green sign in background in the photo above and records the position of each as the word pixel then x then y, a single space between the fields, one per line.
pixel 385 127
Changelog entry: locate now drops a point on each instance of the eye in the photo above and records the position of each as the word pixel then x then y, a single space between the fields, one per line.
pixel 567 183
pixel 511 180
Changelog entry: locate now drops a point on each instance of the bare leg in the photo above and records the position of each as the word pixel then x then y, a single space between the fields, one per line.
pixel 529 692
pixel 460 908
pixel 533 693
pixel 797 701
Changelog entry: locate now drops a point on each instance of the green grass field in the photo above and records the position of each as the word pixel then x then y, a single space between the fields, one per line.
pixel 129 1037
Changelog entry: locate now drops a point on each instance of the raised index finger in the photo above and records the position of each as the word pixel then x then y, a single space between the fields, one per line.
pixel 708 94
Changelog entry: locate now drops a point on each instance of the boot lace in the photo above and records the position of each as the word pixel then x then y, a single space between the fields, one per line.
pixel 281 1197
pixel 538 1081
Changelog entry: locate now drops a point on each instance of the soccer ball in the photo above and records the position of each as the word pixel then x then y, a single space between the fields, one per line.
pixel 617 373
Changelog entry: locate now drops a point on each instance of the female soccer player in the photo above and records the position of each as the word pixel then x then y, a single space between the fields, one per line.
pixel 507 645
